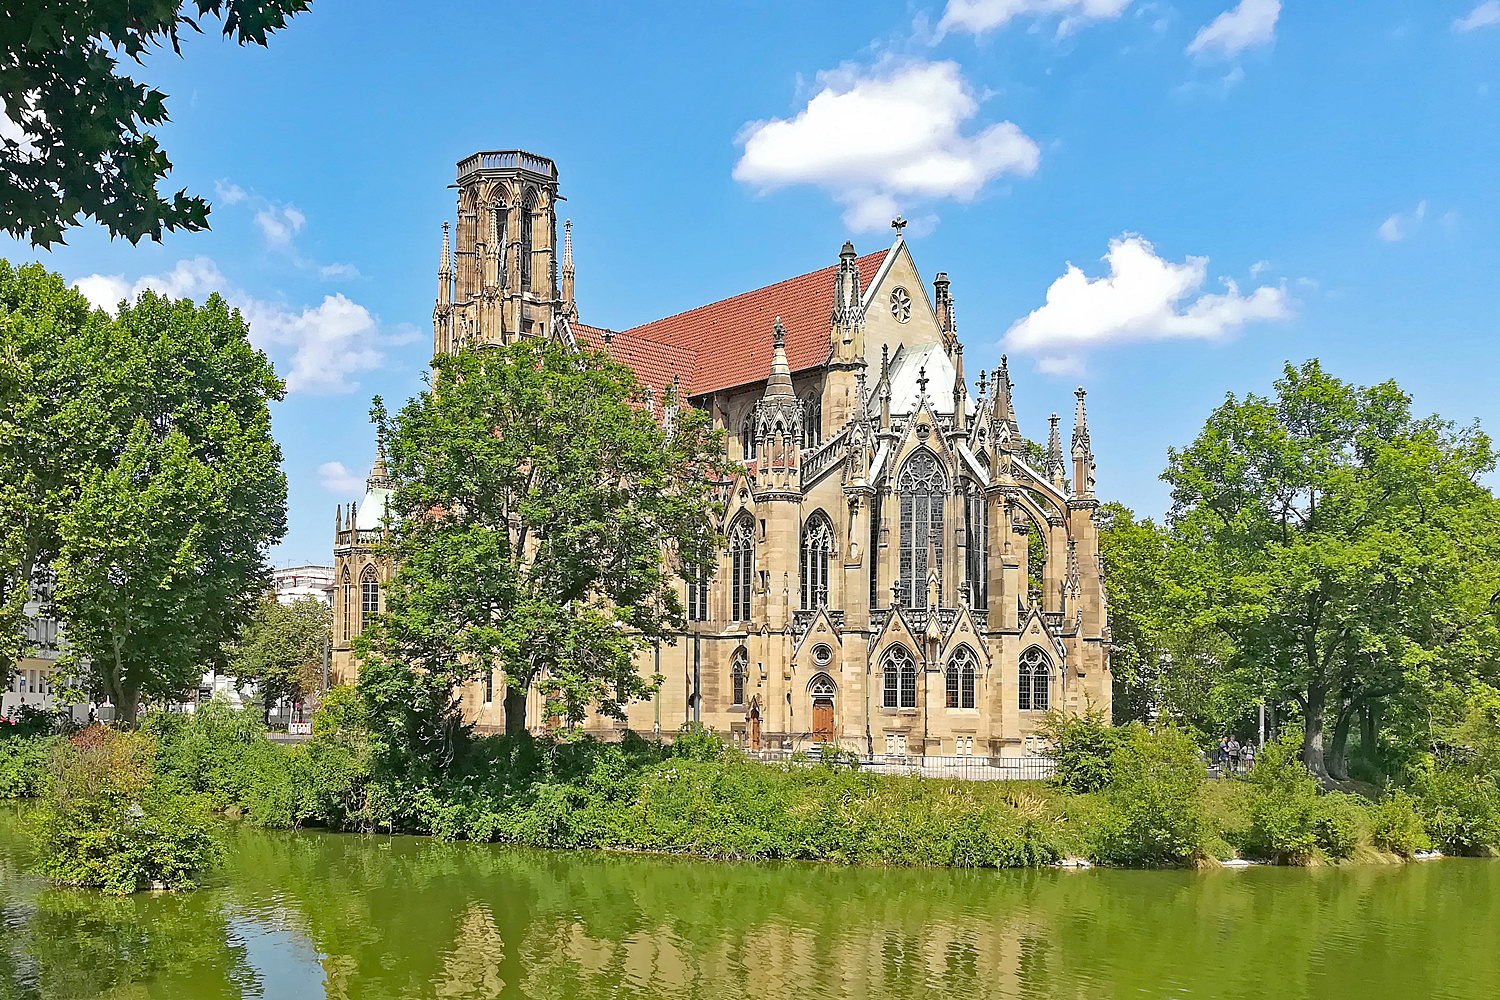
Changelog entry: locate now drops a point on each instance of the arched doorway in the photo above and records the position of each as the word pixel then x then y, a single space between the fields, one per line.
pixel 823 691
pixel 755 729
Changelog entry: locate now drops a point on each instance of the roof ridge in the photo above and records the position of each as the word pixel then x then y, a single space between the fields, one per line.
pixel 750 291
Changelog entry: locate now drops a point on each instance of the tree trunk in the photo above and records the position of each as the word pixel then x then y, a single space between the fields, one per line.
pixel 1338 755
pixel 515 710
pixel 1369 729
pixel 127 708
pixel 1312 736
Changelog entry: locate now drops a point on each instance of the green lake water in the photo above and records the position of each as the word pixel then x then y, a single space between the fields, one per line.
pixel 324 915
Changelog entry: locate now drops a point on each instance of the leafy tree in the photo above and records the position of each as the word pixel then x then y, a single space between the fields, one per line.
pixel 1168 655
pixel 85 148
pixel 281 650
pixel 535 498
pixel 162 553
pixel 56 422
pixel 1348 545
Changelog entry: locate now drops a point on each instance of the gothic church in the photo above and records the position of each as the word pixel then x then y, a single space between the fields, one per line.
pixel 902 575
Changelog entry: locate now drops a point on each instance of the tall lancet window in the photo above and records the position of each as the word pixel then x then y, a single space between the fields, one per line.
pixel 817 543
pixel 922 487
pixel 977 540
pixel 812 421
pixel 1035 685
pixel 747 437
pixel 528 213
pixel 498 225
pixel 347 589
pixel 369 592
pixel 741 557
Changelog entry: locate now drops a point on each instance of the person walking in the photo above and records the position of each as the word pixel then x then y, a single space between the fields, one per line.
pixel 1234 755
pixel 1221 755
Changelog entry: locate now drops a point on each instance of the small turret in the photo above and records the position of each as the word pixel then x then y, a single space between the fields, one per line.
pixel 570 305
pixel 960 390
pixel 445 271
pixel 1054 470
pixel 1004 410
pixel 1083 453
pixel 943 303
pixel 884 387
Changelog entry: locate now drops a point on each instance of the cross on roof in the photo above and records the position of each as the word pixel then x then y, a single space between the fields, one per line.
pixel 922 379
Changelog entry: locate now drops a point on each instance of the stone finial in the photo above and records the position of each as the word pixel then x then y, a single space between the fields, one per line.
pixel 779 382
pixel 1054 453
pixel 898 224
pixel 922 380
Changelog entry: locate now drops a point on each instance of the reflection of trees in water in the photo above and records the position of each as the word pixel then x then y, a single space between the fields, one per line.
pixel 61 943
pixel 471 920
pixel 401 917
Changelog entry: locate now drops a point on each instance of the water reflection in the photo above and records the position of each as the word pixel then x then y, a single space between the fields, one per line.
pixel 300 914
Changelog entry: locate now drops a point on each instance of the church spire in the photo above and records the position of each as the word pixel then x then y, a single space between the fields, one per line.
pixel 943 301
pixel 1054 468
pixel 1083 452
pixel 569 305
pixel 960 390
pixel 1005 410
pixel 883 387
pixel 779 384
pixel 445 271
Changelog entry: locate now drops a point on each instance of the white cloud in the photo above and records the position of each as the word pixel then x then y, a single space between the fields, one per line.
pixel 279 223
pixel 340 481
pixel 1399 226
pixel 1143 298
pixel 229 192
pixel 1251 22
pixel 980 16
pixel 1259 268
pixel 875 139
pixel 329 342
pixel 339 271
pixel 1485 15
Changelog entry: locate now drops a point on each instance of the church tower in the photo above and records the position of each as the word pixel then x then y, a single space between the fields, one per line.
pixel 498 280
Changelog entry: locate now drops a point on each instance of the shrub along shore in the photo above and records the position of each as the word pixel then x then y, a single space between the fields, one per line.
pixel 1126 797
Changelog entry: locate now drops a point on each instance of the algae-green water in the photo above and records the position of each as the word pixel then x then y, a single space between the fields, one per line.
pixel 313 914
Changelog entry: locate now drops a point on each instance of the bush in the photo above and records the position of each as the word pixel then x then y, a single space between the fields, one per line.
pixel 1291 822
pixel 1155 815
pixel 23 764
pixel 1461 810
pixel 1082 747
pixel 107 821
pixel 1396 825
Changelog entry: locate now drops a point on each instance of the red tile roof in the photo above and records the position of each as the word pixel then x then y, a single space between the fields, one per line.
pixel 728 343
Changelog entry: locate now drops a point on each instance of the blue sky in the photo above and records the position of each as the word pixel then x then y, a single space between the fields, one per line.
pixel 1336 162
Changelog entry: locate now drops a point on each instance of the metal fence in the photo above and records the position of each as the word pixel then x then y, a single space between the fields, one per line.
pixel 971 768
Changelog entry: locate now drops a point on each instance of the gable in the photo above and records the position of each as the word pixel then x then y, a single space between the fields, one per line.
pixel 881 327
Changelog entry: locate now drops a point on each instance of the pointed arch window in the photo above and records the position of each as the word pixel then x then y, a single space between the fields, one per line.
pixel 741 558
pixel 369 592
pixel 961 679
pixel 812 420
pixel 923 487
pixel 737 674
pixel 499 225
pixel 697 595
pixel 747 438
pixel 528 220
pixel 347 593
pixel 817 544
pixel 900 690
pixel 1035 686
pixel 977 542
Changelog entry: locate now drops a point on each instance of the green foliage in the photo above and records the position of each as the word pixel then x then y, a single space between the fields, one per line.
pixel 1461 809
pixel 107 822
pixel 1291 822
pixel 1396 825
pixel 532 499
pixel 1349 546
pixel 1082 747
pixel 23 763
pixel 86 147
pixel 161 555
pixel 1156 816
pixel 281 649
